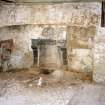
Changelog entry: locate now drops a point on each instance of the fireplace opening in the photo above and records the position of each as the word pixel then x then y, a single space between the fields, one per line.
pixel 48 54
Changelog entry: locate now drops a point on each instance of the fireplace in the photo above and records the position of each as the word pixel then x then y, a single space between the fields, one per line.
pixel 49 54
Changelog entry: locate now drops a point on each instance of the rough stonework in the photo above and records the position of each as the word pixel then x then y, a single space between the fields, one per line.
pixel 23 22
pixel 81 14
pixel 99 57
pixel 22 55
pixel 81 60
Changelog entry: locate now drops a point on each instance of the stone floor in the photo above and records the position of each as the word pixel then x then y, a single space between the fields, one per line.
pixel 19 88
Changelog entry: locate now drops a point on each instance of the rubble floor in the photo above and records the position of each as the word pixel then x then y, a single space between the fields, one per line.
pixel 19 88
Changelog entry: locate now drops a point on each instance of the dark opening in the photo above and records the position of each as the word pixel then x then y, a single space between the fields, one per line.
pixel 35 55
pixel 64 55
pixel 103 14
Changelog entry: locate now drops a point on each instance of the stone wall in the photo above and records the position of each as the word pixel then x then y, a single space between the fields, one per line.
pixel 22 56
pixel 80 41
pixel 99 56
pixel 24 22
pixel 81 14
